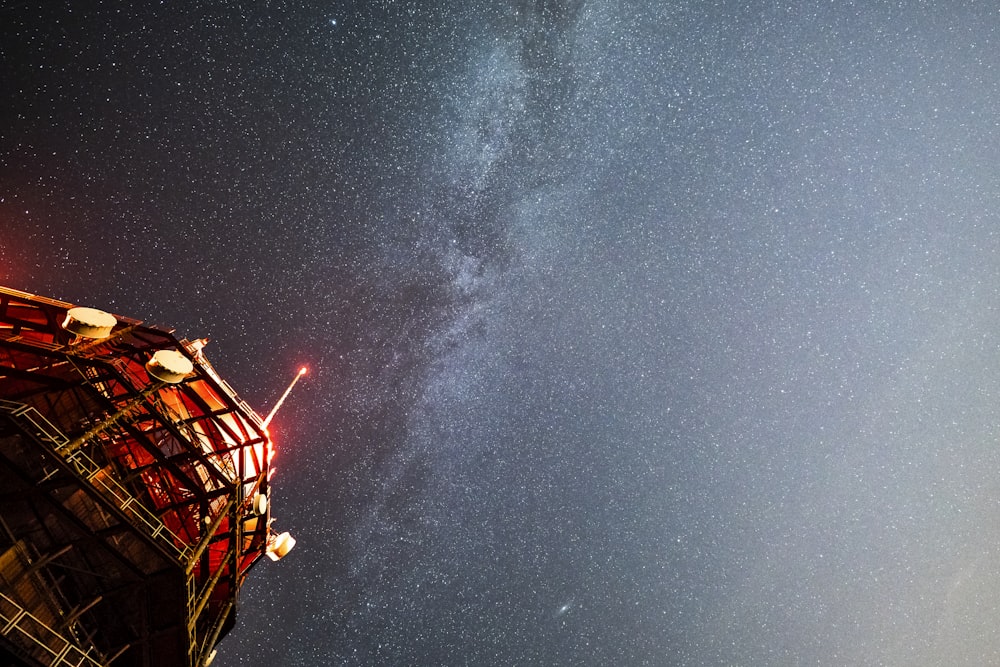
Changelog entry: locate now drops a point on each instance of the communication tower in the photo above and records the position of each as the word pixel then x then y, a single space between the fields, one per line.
pixel 133 491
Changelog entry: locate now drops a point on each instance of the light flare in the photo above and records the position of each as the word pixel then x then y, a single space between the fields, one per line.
pixel 274 410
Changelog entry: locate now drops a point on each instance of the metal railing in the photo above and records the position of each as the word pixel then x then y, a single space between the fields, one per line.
pixel 11 337
pixel 60 651
pixel 42 428
pixel 35 423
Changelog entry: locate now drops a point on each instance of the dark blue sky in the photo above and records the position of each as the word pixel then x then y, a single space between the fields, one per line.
pixel 643 333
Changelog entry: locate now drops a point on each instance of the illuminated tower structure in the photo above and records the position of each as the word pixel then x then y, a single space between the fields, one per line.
pixel 133 491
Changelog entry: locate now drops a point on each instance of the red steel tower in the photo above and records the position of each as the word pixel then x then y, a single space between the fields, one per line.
pixel 133 491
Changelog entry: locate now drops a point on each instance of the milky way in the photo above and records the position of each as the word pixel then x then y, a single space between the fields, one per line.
pixel 643 333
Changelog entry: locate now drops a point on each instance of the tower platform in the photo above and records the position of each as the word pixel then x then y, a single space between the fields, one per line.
pixel 133 491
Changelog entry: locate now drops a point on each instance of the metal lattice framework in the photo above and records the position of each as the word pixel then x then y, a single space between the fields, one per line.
pixel 131 507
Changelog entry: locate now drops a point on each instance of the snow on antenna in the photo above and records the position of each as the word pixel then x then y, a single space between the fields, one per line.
pixel 274 410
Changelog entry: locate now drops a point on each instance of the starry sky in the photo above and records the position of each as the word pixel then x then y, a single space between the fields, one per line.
pixel 641 333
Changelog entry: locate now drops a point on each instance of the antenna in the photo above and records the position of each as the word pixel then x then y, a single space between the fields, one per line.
pixel 274 410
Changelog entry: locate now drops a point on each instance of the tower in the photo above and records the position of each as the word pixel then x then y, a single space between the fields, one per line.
pixel 133 491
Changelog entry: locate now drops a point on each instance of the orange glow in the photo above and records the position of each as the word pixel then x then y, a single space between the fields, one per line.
pixel 303 370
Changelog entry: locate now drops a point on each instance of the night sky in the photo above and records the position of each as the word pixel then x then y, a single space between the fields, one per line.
pixel 641 333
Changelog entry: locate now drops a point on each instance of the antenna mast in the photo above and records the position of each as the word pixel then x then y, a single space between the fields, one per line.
pixel 274 410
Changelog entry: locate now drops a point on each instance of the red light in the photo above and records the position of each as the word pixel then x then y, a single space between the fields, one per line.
pixel 303 370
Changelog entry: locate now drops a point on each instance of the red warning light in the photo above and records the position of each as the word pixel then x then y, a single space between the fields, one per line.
pixel 303 370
